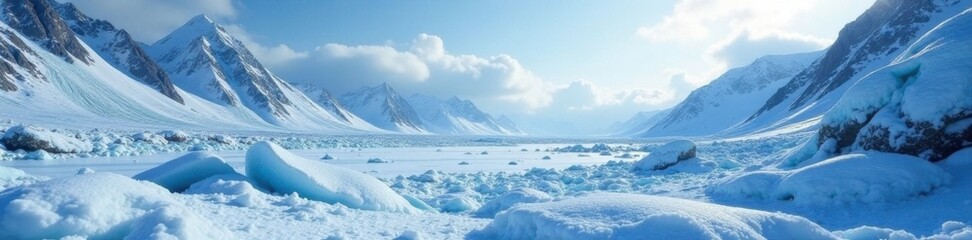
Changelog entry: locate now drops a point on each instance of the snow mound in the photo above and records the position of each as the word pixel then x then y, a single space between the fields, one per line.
pixel 677 156
pixel 868 177
pixel 865 177
pixel 175 223
pixel 96 205
pixel 31 138
pixel 454 203
pixel 284 172
pixel 949 230
pixel 378 160
pixel 227 184
pixel 631 216
pixel 178 174
pixel 12 177
pixel 510 199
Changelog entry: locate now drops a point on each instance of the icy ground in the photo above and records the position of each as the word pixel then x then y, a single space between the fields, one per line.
pixel 455 176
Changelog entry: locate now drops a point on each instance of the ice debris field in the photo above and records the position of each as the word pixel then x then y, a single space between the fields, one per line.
pixel 173 184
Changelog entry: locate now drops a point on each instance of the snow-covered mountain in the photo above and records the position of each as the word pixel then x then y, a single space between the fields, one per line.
pixel 52 76
pixel 330 103
pixel 508 124
pixel 457 116
pixel 384 108
pixel 919 104
pixel 637 124
pixel 731 98
pixel 205 60
pixel 868 43
pixel 118 48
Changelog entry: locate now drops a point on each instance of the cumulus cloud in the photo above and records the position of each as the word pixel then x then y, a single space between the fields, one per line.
pixel 424 67
pixel 745 47
pixel 699 19
pixel 270 56
pixel 150 20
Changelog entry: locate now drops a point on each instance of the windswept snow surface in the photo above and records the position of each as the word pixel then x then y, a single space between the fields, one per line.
pixel 632 216
pixel 283 172
pixel 453 192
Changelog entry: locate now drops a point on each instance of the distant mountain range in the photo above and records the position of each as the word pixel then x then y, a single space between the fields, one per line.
pixel 63 67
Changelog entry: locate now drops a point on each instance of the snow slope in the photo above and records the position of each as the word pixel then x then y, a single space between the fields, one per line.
pixel 638 124
pixel 384 108
pixel 731 98
pixel 455 116
pixel 117 48
pixel 870 42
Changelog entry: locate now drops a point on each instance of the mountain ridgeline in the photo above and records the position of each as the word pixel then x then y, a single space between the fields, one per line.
pixel 55 60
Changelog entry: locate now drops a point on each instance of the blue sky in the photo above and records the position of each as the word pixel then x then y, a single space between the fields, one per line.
pixel 566 62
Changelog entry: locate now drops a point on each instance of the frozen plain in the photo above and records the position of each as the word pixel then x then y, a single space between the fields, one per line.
pixel 454 191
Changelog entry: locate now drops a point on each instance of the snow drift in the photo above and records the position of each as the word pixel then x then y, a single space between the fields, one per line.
pixel 280 170
pixel 853 178
pixel 178 174
pixel 510 199
pixel 96 205
pixel 630 216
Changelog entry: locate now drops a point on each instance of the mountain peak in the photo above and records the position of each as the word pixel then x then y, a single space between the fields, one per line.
pixel 201 19
pixel 197 26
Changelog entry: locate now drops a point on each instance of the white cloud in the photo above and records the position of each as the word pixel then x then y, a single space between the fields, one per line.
pixel 699 19
pixel 497 82
pixel 272 57
pixel 745 47
pixel 150 20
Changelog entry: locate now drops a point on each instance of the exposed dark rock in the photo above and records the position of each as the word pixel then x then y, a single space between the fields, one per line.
pixel 39 22
pixel 881 30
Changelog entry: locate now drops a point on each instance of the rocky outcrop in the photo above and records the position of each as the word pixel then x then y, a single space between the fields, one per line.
pixel 919 105
pixel 30 138
pixel 38 21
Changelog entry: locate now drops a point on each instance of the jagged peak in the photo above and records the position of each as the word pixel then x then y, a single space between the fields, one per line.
pixel 196 27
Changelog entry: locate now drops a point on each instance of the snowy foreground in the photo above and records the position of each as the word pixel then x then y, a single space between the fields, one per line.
pixel 712 189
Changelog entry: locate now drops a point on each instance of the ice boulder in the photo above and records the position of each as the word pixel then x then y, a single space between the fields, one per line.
pixel 284 172
pixel 455 203
pixel 31 138
pixel 178 174
pixel 633 216
pixel 175 135
pixel 148 137
pixel 97 205
pixel 378 160
pixel 510 199
pixel 679 152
